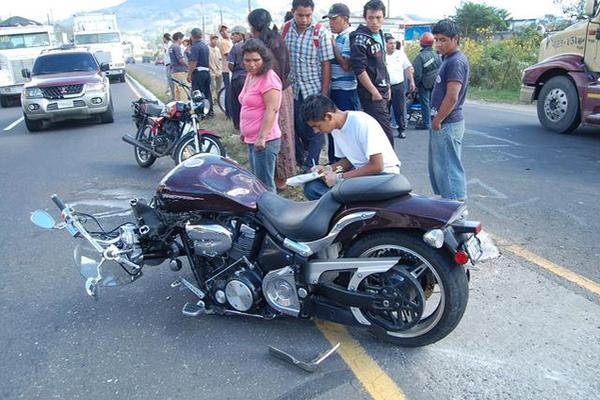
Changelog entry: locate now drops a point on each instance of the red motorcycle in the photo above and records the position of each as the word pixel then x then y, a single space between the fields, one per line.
pixel 369 253
pixel 172 130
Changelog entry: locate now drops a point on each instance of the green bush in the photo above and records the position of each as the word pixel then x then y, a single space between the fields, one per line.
pixel 496 64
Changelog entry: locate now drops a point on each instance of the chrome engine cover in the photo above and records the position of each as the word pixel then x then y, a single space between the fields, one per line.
pixel 210 240
pixel 279 288
pixel 243 290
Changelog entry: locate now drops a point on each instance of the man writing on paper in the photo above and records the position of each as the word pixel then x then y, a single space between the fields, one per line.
pixel 360 144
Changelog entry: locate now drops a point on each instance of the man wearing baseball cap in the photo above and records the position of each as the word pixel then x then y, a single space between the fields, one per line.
pixel 343 81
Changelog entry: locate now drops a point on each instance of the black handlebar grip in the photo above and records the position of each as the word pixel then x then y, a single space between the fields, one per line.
pixel 59 203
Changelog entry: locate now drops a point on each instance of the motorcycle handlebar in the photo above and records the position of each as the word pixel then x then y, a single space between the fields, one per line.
pixel 59 203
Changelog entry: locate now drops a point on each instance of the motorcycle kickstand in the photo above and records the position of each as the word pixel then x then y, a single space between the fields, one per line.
pixel 310 366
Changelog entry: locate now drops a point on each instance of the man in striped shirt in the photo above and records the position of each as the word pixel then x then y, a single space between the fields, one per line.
pixel 343 81
pixel 311 52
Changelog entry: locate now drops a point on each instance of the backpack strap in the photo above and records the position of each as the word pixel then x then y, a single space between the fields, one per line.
pixel 286 29
pixel 316 33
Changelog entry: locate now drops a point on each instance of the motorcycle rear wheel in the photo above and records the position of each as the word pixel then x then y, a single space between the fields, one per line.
pixel 209 144
pixel 444 283
pixel 142 157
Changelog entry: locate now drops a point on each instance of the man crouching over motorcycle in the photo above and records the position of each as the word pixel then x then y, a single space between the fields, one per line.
pixel 360 144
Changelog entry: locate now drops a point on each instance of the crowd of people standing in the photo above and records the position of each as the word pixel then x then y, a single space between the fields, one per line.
pixel 357 78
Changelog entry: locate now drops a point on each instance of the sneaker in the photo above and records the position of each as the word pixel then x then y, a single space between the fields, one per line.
pixel 401 134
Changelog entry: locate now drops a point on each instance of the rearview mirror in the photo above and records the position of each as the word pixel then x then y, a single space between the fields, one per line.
pixel 25 73
pixel 42 219
pixel 104 67
pixel 590 6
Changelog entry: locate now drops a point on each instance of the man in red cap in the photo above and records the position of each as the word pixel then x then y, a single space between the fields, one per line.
pixel 426 65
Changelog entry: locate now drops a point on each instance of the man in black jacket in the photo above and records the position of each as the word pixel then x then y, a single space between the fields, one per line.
pixel 426 65
pixel 367 48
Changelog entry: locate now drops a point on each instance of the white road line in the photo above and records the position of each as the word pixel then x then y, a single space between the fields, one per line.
pixel 496 194
pixel 484 134
pixel 17 122
pixel 486 146
pixel 134 90
pixel 523 203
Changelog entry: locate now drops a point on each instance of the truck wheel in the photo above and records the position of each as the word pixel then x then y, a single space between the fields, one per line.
pixel 558 105
pixel 33 125
pixel 5 101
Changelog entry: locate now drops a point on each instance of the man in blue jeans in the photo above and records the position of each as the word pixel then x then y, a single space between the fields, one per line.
pixel 446 171
pixel 361 145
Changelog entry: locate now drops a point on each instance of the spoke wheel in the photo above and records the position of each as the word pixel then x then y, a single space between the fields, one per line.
pixel 142 157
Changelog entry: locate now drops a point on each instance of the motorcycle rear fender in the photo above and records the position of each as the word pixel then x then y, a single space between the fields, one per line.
pixel 411 212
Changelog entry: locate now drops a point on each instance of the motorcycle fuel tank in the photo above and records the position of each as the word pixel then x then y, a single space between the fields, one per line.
pixel 207 182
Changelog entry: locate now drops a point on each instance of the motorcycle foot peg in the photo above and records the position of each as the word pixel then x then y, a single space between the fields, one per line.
pixel 310 366
pixel 175 265
pixel 193 310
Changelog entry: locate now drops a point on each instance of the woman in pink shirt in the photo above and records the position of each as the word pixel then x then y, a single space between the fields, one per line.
pixel 260 100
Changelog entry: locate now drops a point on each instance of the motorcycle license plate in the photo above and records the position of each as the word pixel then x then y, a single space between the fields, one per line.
pixel 64 104
pixel 473 247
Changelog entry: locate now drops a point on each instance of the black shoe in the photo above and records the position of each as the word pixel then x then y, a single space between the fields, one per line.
pixel 401 135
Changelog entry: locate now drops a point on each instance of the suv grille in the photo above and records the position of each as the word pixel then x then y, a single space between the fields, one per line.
pixel 58 92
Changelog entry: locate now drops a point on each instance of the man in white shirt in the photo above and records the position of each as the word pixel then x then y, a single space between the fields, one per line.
pixel 360 143
pixel 167 42
pixel 399 66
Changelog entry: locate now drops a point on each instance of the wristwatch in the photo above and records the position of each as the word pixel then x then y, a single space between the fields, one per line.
pixel 339 178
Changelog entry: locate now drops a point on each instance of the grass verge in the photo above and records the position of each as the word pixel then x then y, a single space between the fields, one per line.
pixel 236 150
pixel 492 95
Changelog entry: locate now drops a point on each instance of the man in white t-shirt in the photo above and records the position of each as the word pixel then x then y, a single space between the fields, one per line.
pixel 167 42
pixel 360 144
pixel 401 79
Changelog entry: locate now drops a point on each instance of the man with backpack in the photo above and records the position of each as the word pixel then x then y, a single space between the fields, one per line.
pixel 426 65
pixel 311 51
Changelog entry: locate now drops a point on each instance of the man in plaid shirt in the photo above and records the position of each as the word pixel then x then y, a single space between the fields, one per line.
pixel 310 50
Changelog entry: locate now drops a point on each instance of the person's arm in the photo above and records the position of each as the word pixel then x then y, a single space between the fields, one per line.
pixel 326 77
pixel 364 80
pixel 193 64
pixel 448 104
pixel 408 73
pixel 373 167
pixel 343 61
pixel 272 100
pixel 418 70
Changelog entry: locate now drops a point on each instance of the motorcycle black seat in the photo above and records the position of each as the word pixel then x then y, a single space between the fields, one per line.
pixel 152 110
pixel 303 221
pixel 371 188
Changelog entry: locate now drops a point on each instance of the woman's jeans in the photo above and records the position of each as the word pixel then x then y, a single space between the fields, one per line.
pixel 262 162
pixel 446 171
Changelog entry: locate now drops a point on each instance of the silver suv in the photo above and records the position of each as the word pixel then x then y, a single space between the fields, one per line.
pixel 66 84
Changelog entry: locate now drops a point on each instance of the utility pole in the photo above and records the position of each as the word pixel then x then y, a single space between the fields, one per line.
pixel 221 12
pixel 389 11
pixel 250 6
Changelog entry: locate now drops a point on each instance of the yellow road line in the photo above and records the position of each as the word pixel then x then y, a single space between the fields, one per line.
pixel 378 384
pixel 554 268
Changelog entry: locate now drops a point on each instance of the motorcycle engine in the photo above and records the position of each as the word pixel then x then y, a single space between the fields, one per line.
pixel 168 135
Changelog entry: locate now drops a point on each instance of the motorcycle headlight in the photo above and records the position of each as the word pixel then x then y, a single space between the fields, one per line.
pixel 33 93
pixel 96 87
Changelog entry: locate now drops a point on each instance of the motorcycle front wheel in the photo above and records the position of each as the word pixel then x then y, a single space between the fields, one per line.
pixel 142 157
pixel 443 284
pixel 209 144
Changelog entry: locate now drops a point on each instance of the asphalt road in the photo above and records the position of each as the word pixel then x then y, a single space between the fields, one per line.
pixel 527 333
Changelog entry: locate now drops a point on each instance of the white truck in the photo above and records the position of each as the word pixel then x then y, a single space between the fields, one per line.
pixel 99 32
pixel 19 47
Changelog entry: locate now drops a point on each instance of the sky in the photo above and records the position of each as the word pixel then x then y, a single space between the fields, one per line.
pixel 61 9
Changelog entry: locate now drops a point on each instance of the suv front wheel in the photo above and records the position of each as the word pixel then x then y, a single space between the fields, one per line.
pixel 33 125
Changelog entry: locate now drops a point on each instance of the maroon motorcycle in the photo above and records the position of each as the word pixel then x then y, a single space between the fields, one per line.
pixel 368 253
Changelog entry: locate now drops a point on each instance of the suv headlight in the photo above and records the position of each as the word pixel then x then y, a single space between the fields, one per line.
pixel 96 87
pixel 33 93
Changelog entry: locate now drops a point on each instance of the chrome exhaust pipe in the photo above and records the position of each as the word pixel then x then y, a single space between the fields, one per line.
pixel 131 140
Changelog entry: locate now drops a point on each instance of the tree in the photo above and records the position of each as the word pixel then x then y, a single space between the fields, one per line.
pixel 575 9
pixel 476 20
